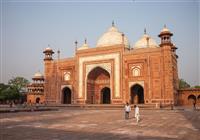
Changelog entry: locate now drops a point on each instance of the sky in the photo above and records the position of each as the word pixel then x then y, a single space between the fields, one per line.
pixel 28 26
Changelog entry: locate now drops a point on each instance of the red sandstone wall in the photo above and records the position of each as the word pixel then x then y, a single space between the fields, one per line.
pixel 54 71
pixel 32 98
pixel 158 71
pixel 183 95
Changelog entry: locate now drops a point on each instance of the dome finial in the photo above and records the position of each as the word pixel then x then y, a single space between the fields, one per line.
pixel 85 40
pixel 58 52
pixel 113 24
pixel 165 26
pixel 145 31
pixel 76 43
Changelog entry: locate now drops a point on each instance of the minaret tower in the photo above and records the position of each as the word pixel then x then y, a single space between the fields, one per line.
pixel 48 62
pixel 170 69
pixel 36 89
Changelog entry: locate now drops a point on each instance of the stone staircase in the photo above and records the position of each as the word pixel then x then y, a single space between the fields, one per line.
pixel 102 106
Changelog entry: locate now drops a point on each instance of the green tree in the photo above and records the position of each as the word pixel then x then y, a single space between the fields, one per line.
pixel 183 84
pixel 3 87
pixel 197 86
pixel 10 93
pixel 19 83
pixel 14 89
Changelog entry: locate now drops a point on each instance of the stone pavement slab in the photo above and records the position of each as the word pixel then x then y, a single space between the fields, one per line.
pixel 77 124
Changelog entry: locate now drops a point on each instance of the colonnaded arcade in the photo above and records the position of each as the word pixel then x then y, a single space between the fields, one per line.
pixel 112 72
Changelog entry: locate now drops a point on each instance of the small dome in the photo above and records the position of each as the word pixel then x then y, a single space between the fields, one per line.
pixel 165 29
pixel 84 46
pixel 112 37
pixel 48 49
pixel 145 42
pixel 38 75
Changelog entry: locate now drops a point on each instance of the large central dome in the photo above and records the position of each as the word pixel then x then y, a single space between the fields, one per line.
pixel 112 37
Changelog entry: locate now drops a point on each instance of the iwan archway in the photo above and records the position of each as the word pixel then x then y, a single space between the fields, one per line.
pixel 137 94
pixel 97 79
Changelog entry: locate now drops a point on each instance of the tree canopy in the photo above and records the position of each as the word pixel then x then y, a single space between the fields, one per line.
pixel 183 84
pixel 197 86
pixel 13 90
pixel 18 82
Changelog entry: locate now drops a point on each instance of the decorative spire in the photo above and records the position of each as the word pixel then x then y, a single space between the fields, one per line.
pixel 76 43
pixel 145 31
pixel 165 26
pixel 113 24
pixel 58 53
pixel 85 40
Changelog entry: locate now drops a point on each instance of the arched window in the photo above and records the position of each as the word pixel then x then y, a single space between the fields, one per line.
pixel 67 76
pixel 136 71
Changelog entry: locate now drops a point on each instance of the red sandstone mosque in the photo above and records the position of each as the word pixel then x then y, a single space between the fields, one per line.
pixel 112 72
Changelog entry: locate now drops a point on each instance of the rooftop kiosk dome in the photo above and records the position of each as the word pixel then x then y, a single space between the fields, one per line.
pixel 84 46
pixel 38 76
pixel 145 42
pixel 112 37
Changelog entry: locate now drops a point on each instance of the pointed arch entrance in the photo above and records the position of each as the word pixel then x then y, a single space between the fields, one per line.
pixel 137 94
pixel 37 100
pixel 105 95
pixel 66 95
pixel 192 99
pixel 96 79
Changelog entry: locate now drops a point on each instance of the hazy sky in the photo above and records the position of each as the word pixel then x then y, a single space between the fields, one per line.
pixel 28 26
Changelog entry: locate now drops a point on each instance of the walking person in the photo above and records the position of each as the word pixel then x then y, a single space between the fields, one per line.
pixel 127 110
pixel 137 114
pixel 194 104
pixel 134 112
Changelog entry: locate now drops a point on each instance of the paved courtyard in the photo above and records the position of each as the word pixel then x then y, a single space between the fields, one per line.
pixel 69 124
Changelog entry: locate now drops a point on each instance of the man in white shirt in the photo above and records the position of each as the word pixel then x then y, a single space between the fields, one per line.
pixel 127 110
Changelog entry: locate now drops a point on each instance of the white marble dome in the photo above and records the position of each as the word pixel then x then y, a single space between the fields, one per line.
pixel 38 75
pixel 48 49
pixel 165 30
pixel 112 37
pixel 84 46
pixel 145 42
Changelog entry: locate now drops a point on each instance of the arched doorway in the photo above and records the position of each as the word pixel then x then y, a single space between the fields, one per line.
pixel 198 97
pixel 137 94
pixel 105 96
pixel 37 100
pixel 191 99
pixel 66 96
pixel 97 78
